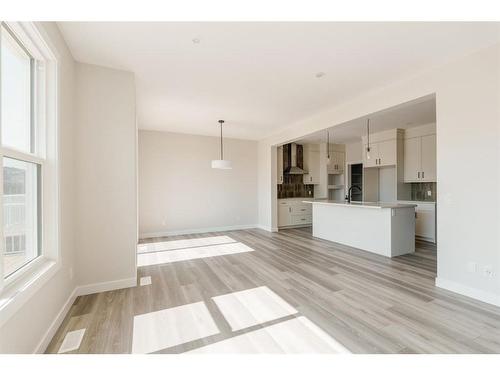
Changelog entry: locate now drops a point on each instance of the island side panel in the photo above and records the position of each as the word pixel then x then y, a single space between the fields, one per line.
pixel 364 228
pixel 403 231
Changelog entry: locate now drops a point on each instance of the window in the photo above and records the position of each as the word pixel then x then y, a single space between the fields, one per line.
pixel 17 77
pixel 23 98
pixel 20 213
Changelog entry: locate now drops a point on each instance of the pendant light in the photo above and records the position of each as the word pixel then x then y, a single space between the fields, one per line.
pixel 368 139
pixel 328 159
pixel 221 163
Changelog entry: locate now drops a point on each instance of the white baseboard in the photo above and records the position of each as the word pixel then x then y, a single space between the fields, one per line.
pixel 197 230
pixel 47 338
pixel 267 228
pixel 80 291
pixel 106 286
pixel 481 295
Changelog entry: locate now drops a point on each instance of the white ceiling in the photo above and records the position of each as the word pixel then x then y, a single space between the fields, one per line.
pixel 407 115
pixel 261 77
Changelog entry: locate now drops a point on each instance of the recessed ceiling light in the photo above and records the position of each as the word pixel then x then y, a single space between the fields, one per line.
pixel 196 40
pixel 320 74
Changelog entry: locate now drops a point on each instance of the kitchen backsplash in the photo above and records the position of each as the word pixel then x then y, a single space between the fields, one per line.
pixel 293 187
pixel 420 191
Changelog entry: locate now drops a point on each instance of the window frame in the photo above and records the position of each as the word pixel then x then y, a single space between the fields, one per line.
pixel 44 63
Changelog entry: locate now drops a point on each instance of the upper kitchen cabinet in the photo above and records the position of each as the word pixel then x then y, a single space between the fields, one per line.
pixel 311 164
pixel 279 159
pixel 337 162
pixel 420 154
pixel 428 158
pixel 383 148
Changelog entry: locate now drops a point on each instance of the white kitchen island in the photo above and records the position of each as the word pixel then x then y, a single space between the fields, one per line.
pixel 382 228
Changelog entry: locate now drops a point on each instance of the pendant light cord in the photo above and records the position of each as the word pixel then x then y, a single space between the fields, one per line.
pixel 221 144
pixel 368 131
pixel 328 144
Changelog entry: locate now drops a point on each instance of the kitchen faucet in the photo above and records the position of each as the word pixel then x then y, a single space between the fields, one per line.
pixel 349 192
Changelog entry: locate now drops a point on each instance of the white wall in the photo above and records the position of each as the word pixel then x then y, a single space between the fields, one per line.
pixel 179 192
pixel 106 193
pixel 468 143
pixel 24 332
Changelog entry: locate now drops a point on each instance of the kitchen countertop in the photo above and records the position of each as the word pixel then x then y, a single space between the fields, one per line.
pixel 418 202
pixel 360 204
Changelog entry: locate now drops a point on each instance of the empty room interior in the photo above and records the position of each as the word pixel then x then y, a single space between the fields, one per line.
pixel 250 187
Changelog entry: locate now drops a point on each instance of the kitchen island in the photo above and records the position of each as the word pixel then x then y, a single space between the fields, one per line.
pixel 382 228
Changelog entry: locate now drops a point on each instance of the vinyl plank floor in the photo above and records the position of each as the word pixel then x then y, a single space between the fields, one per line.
pixel 319 296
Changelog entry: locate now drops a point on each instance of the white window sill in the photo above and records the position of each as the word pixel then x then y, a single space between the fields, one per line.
pixel 16 294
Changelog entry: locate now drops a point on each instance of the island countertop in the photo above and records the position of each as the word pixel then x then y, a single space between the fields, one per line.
pixel 378 205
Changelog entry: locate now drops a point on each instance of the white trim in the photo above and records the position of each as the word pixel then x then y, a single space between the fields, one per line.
pixel 468 291
pixel 106 286
pixel 19 292
pixel 198 230
pixel 49 335
pixel 267 228
pixel 80 291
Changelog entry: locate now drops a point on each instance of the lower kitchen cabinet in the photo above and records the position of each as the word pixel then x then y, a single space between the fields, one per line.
pixel 425 222
pixel 293 212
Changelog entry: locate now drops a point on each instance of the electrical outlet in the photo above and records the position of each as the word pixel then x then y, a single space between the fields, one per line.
pixel 488 271
pixel 429 193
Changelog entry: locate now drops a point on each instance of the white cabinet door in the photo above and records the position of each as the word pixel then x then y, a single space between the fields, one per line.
pixel 425 224
pixel 428 158
pixel 280 164
pixel 311 165
pixel 412 151
pixel 284 214
pixel 301 219
pixel 373 160
pixel 339 161
pixel 331 167
pixel 387 153
pixel 301 209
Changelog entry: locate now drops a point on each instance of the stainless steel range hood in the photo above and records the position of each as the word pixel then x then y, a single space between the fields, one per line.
pixel 293 169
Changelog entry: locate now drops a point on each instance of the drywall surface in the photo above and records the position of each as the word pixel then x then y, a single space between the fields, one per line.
pixel 179 192
pixel 106 205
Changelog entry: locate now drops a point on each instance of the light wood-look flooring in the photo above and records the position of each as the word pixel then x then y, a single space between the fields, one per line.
pixel 290 281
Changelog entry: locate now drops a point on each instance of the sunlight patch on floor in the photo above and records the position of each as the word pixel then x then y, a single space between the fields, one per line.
pixel 170 327
pixel 294 336
pixel 149 259
pixel 252 306
pixel 182 244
